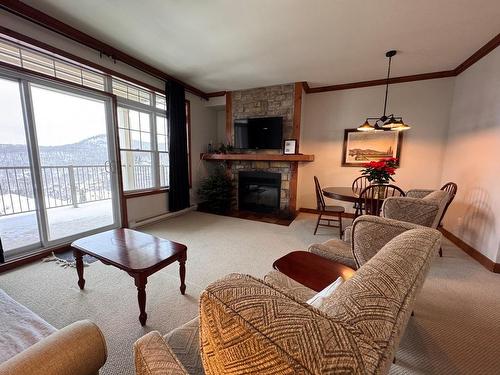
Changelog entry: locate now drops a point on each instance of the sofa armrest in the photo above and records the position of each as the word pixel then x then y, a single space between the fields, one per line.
pixel 248 326
pixel 78 349
pixel 412 210
pixel 418 193
pixel 154 357
pixel 371 233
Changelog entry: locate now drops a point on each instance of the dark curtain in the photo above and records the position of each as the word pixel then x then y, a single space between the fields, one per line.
pixel 178 196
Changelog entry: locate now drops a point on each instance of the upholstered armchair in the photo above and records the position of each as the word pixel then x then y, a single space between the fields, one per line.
pixel 419 207
pixel 367 235
pixel 250 326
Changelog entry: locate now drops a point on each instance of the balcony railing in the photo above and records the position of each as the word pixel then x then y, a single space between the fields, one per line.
pixel 64 185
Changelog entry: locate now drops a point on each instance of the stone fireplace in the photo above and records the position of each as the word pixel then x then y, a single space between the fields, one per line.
pixel 266 102
pixel 277 195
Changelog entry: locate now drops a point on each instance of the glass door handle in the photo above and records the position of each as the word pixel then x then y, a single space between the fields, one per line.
pixel 109 166
pixel 112 166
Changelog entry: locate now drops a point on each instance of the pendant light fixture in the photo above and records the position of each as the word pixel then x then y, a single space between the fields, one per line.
pixel 385 122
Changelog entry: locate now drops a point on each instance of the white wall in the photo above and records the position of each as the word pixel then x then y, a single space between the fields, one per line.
pixel 203 118
pixel 472 157
pixel 203 130
pixel 424 105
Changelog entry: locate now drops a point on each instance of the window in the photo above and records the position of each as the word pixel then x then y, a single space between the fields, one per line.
pixel 49 65
pixel 143 134
pixel 142 119
pixel 132 92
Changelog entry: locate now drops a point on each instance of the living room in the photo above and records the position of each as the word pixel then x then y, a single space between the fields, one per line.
pixel 184 190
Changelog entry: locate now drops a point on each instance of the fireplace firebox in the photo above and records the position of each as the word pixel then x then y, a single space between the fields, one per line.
pixel 259 191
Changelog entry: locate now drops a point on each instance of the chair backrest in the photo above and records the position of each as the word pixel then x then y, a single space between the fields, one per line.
pixel 320 200
pixel 371 198
pixel 451 188
pixel 360 183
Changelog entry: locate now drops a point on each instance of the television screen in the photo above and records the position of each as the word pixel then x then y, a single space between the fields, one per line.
pixel 258 133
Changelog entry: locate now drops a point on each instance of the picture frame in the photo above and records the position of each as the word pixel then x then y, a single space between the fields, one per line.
pixel 362 147
pixel 289 147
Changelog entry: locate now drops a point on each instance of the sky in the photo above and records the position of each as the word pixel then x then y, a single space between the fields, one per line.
pixel 60 118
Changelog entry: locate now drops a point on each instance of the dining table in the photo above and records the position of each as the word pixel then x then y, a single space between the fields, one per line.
pixel 342 193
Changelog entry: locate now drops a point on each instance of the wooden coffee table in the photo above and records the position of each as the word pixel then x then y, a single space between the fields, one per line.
pixel 139 254
pixel 312 270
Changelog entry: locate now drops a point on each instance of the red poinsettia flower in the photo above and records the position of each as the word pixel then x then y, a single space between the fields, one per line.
pixel 380 171
pixel 390 170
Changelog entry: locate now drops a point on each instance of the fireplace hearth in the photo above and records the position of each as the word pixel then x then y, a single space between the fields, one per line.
pixel 259 191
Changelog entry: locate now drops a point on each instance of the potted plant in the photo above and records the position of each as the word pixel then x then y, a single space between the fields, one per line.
pixel 381 171
pixel 216 191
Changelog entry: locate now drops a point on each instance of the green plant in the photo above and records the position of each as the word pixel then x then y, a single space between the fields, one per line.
pixel 224 149
pixel 216 191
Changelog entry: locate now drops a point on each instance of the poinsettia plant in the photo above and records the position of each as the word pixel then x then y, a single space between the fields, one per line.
pixel 380 171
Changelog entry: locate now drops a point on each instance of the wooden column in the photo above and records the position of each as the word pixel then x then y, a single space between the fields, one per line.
pixel 229 118
pixel 297 111
pixel 294 168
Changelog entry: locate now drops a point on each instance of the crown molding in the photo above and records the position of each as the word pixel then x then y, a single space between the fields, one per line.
pixel 216 93
pixel 475 57
pixel 383 81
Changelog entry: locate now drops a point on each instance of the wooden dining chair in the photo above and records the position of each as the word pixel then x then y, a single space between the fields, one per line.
pixel 328 211
pixel 371 198
pixel 451 188
pixel 358 185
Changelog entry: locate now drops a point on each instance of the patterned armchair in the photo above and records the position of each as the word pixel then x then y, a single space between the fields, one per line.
pixel 367 235
pixel 423 207
pixel 249 326
pixel 419 207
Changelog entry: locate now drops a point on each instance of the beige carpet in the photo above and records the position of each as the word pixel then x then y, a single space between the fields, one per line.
pixel 455 329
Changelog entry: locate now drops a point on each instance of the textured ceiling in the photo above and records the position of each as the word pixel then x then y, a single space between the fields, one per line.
pixel 235 44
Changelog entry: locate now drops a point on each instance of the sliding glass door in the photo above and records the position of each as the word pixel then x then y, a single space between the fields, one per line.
pixel 60 178
pixel 75 170
pixel 18 207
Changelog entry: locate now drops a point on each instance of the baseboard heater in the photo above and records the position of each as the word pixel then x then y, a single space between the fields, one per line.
pixel 168 215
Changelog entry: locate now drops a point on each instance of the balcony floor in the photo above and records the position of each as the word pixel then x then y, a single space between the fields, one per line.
pixel 22 230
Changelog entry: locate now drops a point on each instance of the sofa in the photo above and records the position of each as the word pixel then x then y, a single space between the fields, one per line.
pixel 31 346
pixel 252 326
pixel 419 207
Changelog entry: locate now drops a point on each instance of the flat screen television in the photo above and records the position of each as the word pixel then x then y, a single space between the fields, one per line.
pixel 258 133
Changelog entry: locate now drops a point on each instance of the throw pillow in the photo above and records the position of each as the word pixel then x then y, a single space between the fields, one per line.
pixel 318 299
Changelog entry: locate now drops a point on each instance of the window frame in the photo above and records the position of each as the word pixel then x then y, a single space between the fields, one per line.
pixel 152 111
pixel 47 51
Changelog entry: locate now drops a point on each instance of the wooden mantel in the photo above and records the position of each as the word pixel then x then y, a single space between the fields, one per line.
pixel 258 157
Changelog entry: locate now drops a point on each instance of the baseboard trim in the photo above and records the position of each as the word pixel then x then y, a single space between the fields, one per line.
pixel 472 252
pixel 346 215
pixel 161 217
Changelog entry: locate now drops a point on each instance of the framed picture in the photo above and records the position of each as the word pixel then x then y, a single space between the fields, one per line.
pixel 290 146
pixel 363 147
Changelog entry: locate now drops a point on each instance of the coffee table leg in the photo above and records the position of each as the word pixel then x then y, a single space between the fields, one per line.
pixel 182 273
pixel 79 267
pixel 140 283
